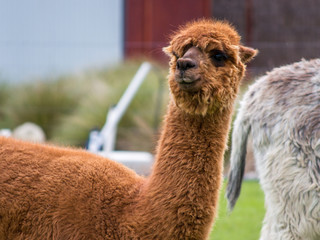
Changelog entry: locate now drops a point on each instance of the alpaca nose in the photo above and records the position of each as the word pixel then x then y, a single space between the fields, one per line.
pixel 184 64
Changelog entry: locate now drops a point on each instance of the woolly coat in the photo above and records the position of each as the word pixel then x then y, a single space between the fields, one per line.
pixel 281 111
pixel 57 193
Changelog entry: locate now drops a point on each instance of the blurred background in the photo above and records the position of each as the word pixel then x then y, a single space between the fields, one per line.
pixel 49 38
pixel 63 64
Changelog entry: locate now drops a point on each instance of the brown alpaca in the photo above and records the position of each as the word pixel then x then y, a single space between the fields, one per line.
pixel 55 193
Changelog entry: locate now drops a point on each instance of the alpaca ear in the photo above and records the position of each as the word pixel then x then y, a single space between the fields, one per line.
pixel 167 50
pixel 247 53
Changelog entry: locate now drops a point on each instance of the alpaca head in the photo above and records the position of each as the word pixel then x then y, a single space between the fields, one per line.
pixel 206 66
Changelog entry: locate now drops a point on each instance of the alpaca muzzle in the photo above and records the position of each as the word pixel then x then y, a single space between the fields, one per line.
pixel 187 70
pixel 183 64
pixel 188 81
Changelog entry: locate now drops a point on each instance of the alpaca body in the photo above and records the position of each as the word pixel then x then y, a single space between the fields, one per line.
pixel 54 193
pixel 69 194
pixel 64 193
pixel 282 113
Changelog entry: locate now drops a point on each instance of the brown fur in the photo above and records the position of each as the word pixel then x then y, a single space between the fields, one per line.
pixel 54 193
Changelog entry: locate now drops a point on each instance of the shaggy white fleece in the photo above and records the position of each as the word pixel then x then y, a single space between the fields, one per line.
pixel 282 113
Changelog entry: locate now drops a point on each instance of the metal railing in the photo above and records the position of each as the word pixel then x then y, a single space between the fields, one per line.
pixel 103 142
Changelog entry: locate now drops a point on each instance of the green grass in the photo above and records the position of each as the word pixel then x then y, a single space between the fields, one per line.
pixel 245 221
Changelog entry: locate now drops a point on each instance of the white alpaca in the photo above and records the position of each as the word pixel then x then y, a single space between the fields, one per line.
pixel 282 113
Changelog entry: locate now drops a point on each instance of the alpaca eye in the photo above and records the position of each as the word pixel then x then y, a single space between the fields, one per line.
pixel 175 54
pixel 218 57
pixel 187 47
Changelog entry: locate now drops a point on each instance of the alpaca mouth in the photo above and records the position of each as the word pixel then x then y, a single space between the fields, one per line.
pixel 189 85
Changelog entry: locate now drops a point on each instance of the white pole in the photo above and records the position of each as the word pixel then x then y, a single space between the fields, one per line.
pixel 115 114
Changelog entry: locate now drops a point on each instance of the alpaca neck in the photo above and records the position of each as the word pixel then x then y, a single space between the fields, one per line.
pixel 191 148
pixel 182 191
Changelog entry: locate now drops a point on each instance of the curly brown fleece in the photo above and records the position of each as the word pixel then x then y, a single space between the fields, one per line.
pixel 48 192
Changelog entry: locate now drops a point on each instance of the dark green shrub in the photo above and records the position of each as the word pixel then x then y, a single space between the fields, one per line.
pixel 40 102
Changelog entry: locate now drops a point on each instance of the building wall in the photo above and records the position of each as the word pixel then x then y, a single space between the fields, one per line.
pixel 284 31
pixel 44 37
pixel 149 23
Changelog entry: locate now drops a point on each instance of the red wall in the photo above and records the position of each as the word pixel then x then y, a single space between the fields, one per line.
pixel 149 23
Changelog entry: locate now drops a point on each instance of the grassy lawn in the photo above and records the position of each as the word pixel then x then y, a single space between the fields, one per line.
pixel 244 222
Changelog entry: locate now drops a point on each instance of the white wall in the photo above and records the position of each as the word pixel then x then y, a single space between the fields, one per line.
pixel 52 37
